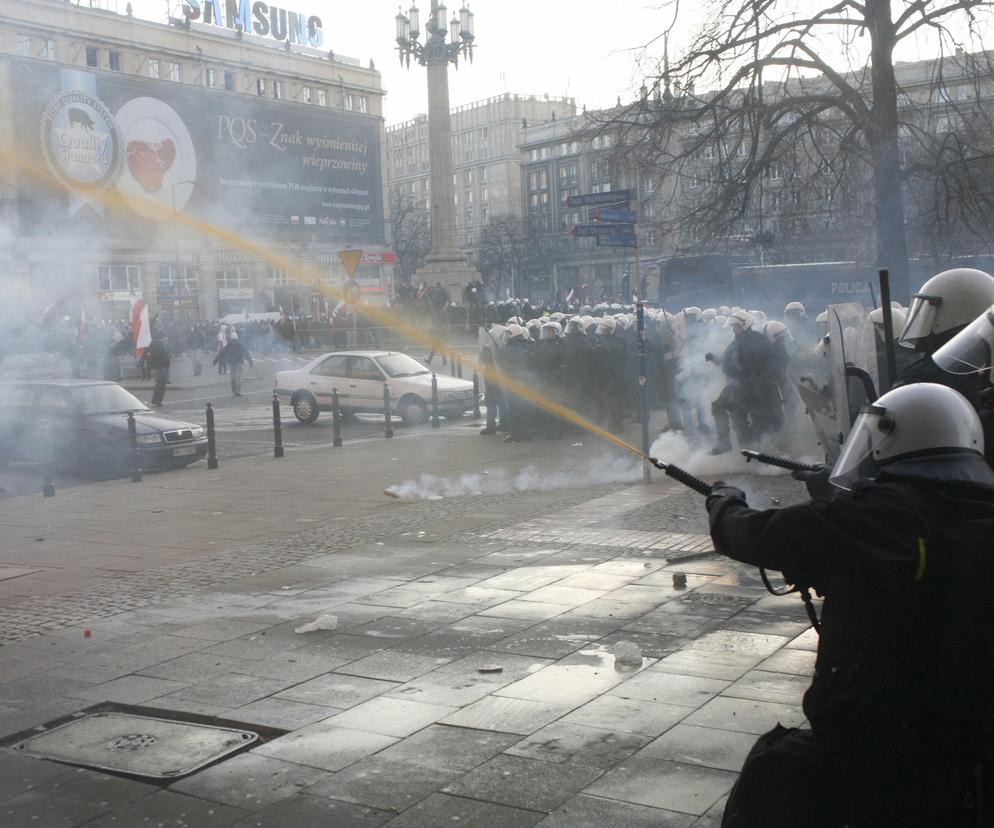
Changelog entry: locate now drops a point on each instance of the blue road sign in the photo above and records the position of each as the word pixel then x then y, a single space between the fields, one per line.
pixel 624 216
pixel 599 199
pixel 602 229
pixel 625 240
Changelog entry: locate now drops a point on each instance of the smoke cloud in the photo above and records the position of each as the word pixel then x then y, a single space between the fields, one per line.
pixel 594 472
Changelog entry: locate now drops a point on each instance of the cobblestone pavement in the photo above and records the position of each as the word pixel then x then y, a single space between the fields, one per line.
pixel 470 677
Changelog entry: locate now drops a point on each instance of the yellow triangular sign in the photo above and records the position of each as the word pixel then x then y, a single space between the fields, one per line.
pixel 351 259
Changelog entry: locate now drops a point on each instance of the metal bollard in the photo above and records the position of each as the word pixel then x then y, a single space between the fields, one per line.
pixel 277 427
pixel 476 395
pixel 386 411
pixel 459 367
pixel 452 363
pixel 336 420
pixel 136 463
pixel 48 484
pixel 211 441
pixel 434 401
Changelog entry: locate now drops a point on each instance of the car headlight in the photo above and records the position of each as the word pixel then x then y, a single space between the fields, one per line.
pixel 148 439
pixel 197 431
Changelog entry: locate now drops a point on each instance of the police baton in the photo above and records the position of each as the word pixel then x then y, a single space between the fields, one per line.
pixel 780 462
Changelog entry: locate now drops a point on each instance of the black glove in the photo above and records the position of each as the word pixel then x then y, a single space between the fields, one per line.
pixel 709 357
pixel 816 481
pixel 722 489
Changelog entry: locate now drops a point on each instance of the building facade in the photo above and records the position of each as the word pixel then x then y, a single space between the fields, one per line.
pixel 203 165
pixel 485 160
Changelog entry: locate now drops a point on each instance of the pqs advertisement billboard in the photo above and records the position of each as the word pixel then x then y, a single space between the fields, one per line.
pixel 237 161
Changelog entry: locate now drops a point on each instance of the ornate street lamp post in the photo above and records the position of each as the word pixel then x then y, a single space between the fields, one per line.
pixel 445 263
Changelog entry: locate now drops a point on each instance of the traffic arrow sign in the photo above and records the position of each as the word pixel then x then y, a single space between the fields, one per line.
pixel 627 216
pixel 599 199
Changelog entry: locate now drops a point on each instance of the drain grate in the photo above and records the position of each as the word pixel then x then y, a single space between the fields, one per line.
pixel 137 745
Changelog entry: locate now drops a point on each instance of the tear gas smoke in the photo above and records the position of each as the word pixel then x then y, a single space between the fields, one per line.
pixel 593 472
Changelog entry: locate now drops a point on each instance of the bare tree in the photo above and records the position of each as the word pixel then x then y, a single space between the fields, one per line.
pixel 772 88
pixel 410 226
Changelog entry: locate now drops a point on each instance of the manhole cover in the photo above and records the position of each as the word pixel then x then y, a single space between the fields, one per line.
pixel 136 745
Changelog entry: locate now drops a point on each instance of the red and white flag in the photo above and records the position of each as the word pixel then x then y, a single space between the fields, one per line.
pixel 570 295
pixel 422 290
pixel 140 326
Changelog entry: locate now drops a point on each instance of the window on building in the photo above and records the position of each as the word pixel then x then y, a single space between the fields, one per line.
pixel 114 61
pixel 93 57
pixel 229 81
pixel 469 196
pixel 210 78
pixel 278 89
pixel 47 48
pixel 177 279
pixel 24 44
pixel 362 103
pixel 305 93
pixel 484 213
pixel 278 278
pixel 349 102
pixel 776 171
pixel 119 277
pixel 237 277
pixel 484 193
pixel 174 72
pixel 154 68
pixel 260 86
pixel 483 175
pixel 322 97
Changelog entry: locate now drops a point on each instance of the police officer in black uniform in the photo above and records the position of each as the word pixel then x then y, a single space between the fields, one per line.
pixel 901 703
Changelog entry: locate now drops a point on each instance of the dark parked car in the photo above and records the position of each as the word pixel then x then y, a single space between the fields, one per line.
pixel 85 427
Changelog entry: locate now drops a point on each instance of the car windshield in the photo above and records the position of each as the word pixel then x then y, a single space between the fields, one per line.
pixel 401 365
pixel 105 399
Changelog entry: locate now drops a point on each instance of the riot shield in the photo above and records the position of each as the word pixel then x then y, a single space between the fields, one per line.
pixel 810 372
pixel 852 358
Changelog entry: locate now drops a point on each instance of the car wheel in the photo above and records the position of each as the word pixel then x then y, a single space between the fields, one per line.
pixel 305 407
pixel 413 411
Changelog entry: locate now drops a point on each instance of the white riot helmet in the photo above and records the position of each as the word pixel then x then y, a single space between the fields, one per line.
pixel 622 322
pixel 794 310
pixel 758 315
pixel 587 322
pixel 533 326
pixel 543 319
pixel 585 310
pixel 515 320
pixel 740 317
pixel 946 302
pixel 575 327
pixel 777 332
pixel 606 326
pixel 724 310
pixel 920 430
pixel 514 331
pixel 708 315
pixel 551 330
pixel 897 319
pixel 821 323
pixel 971 351
pixel 721 320
pixel 693 312
pixel 557 317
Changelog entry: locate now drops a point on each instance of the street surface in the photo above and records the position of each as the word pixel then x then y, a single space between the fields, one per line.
pixel 470 676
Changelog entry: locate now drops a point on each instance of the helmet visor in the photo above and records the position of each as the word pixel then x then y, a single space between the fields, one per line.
pixel 921 318
pixel 969 352
pixel 854 460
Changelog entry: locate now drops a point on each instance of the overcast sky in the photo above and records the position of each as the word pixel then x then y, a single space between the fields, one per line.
pixel 585 49
pixel 577 48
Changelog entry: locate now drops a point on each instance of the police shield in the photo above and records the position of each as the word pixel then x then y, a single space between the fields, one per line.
pixel 853 358
pixel 810 371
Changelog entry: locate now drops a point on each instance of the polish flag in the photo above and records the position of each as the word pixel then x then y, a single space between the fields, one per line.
pixel 422 290
pixel 572 293
pixel 140 326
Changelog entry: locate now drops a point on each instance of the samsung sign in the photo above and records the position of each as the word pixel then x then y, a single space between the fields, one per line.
pixel 258 18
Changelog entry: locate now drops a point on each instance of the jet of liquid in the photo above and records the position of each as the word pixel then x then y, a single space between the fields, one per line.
pixel 113 203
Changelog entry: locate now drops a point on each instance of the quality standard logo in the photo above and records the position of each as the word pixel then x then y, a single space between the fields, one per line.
pixel 80 141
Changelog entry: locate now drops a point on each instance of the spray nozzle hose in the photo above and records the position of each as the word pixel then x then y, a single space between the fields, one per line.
pixel 682 476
